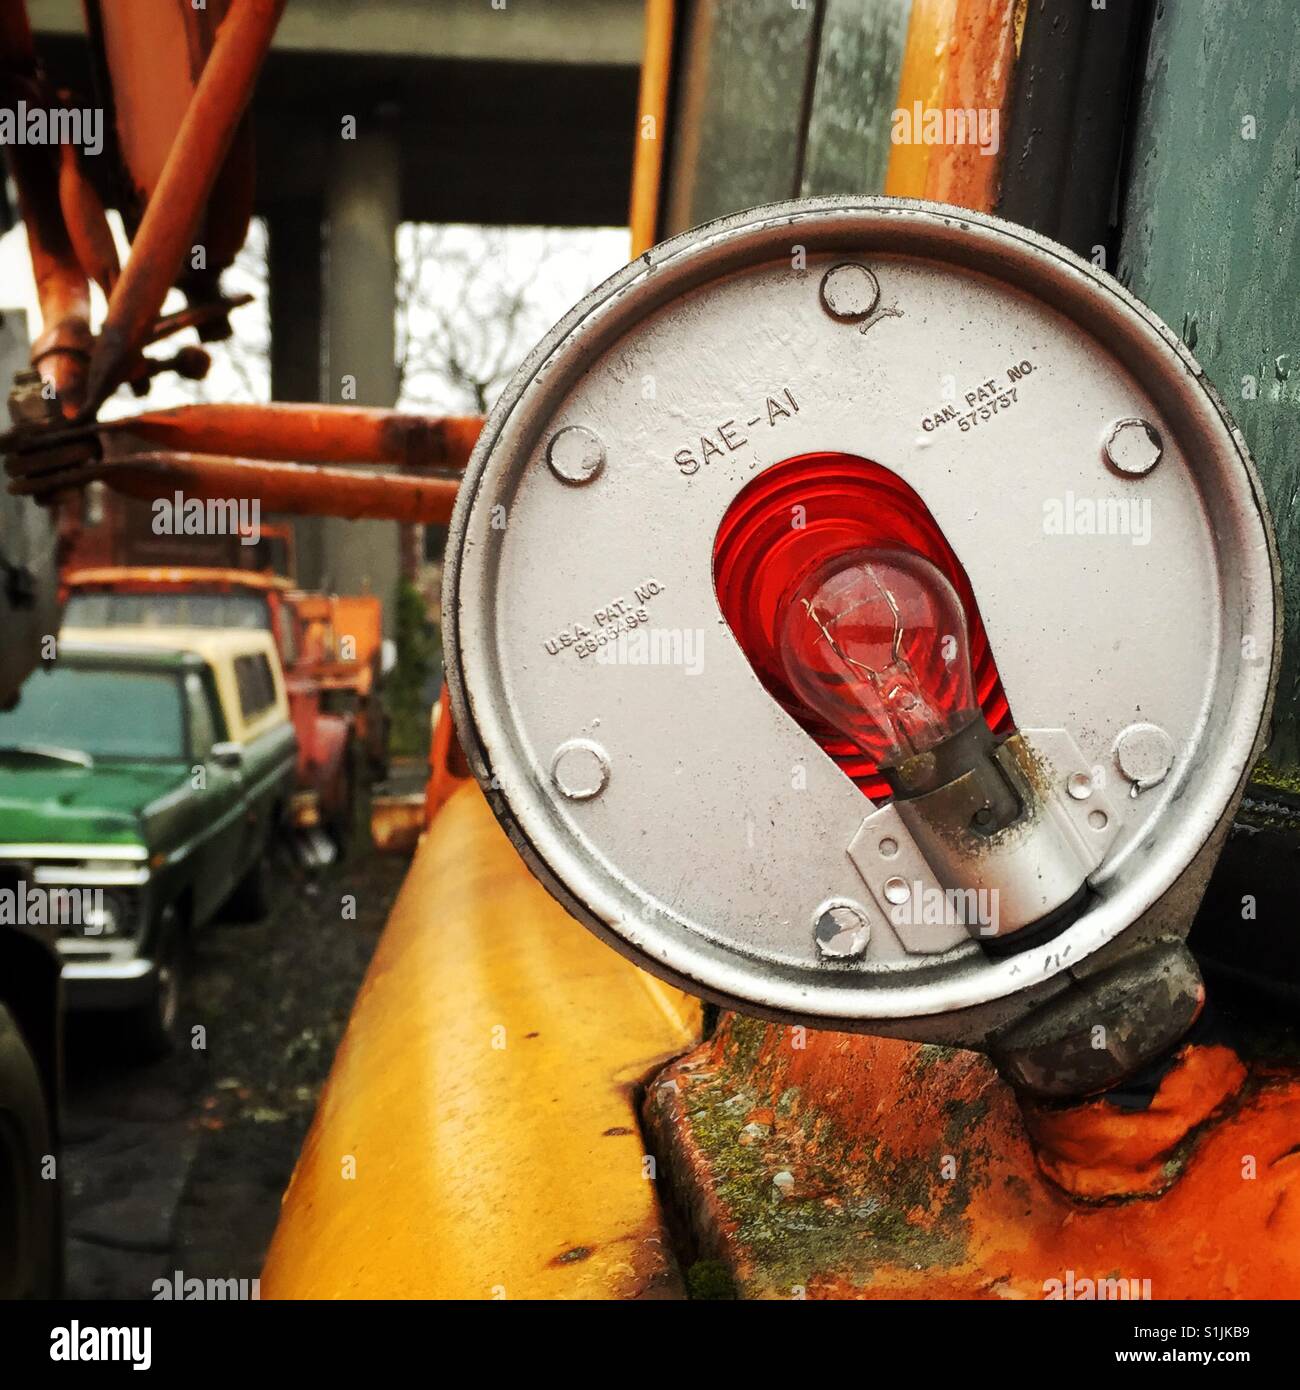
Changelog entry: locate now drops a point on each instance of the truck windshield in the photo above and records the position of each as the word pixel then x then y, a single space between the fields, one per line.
pixel 105 713
pixel 179 609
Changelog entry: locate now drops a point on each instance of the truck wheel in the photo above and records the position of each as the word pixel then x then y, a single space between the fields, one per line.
pixel 30 1236
pixel 344 818
pixel 251 900
pixel 152 1026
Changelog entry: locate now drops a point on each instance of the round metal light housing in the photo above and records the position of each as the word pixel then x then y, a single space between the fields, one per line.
pixel 665 798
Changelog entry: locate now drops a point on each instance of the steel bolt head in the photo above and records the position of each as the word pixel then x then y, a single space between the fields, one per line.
pixel 849 292
pixel 576 454
pixel 841 930
pixel 580 769
pixel 1133 447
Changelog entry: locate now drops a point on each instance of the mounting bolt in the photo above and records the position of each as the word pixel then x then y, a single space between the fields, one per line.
pixel 580 769
pixel 849 292
pixel 841 929
pixel 1133 447
pixel 575 454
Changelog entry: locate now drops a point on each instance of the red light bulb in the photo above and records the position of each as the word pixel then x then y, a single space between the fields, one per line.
pixel 876 641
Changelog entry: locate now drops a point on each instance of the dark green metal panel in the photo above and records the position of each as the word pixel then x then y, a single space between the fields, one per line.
pixel 741 92
pixel 1211 221
pixel 856 88
pixel 775 99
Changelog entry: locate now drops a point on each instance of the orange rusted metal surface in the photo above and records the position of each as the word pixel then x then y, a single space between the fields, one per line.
pixel 478 1135
pixel 1094 1150
pixel 447 767
pixel 652 124
pixel 960 56
pixel 283 487
pixel 87 222
pixel 193 164
pixel 310 433
pixel 61 350
pixel 137 578
pixel 869 1168
pixel 150 98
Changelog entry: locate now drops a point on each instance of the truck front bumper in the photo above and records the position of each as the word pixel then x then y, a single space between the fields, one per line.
pixel 108 984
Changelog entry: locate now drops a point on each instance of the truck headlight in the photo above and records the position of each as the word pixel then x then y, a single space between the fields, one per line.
pixel 107 913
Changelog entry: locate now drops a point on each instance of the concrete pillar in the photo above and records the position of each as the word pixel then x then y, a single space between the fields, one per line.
pixel 295 271
pixel 363 208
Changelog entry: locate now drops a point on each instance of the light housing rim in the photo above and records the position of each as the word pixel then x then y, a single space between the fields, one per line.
pixel 985 244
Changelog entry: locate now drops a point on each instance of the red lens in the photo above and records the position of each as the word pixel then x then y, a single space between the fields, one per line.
pixel 795 516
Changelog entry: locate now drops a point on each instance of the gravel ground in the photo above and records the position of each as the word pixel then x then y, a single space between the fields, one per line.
pixel 180 1165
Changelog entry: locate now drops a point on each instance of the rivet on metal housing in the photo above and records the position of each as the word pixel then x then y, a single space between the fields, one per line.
pixel 1144 753
pixel 849 292
pixel 897 891
pixel 1133 447
pixel 575 454
pixel 1079 786
pixel 841 929
pixel 580 769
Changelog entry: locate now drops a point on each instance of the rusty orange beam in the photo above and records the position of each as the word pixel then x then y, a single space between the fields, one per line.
pixel 279 487
pixel 959 54
pixel 177 204
pixel 652 124
pixel 61 351
pixel 87 222
pixel 310 433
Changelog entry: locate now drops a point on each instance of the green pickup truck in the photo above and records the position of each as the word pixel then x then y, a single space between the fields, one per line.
pixel 141 778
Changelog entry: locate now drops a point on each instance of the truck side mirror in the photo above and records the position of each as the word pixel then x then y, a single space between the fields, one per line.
pixel 228 755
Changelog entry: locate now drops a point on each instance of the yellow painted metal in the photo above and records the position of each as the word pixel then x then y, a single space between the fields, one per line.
pixel 478 1136
pixel 652 125
pixel 960 55
pixel 924 74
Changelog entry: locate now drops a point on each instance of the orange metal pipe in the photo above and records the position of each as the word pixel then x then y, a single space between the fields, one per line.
pixel 87 222
pixel 960 54
pixel 279 487
pixel 652 124
pixel 62 350
pixel 173 212
pixel 310 433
